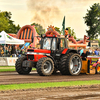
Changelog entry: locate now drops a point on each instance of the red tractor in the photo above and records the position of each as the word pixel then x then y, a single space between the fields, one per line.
pixel 53 54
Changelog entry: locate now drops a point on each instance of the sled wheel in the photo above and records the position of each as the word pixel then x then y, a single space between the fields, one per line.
pixel 98 69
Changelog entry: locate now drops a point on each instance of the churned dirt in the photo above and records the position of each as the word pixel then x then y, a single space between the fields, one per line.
pixel 58 93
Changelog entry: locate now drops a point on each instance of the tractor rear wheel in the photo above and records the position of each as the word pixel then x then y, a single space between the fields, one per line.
pixel 71 64
pixel 20 68
pixel 45 66
pixel 62 67
pixel 98 69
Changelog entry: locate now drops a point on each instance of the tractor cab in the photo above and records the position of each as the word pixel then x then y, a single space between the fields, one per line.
pixel 53 43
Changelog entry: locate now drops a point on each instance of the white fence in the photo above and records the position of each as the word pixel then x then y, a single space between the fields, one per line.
pixel 8 61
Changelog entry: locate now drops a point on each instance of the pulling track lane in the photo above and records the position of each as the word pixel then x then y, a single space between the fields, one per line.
pixel 33 77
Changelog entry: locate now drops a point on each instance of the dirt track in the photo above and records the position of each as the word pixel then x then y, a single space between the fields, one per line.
pixel 14 77
pixel 64 93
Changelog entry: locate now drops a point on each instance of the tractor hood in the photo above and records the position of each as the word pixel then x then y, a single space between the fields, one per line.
pixel 39 51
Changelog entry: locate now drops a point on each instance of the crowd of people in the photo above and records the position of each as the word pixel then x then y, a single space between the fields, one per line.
pixel 89 51
pixel 86 52
pixel 12 51
pixel 16 51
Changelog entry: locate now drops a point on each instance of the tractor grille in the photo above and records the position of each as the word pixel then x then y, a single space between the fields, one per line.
pixel 30 57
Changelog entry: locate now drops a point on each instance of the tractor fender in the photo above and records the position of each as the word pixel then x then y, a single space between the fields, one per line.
pixel 52 59
pixel 66 51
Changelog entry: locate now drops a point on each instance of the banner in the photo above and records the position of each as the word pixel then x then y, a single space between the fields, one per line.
pixel 11 61
pixel 8 61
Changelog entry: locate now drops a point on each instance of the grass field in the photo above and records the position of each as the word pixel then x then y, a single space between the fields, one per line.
pixel 48 84
pixel 9 68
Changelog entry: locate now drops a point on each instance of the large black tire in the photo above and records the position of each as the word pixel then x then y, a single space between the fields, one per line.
pixel 45 66
pixel 62 67
pixel 98 69
pixel 21 69
pixel 71 64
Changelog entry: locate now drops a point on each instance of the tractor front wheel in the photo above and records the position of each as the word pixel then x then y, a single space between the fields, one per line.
pixel 20 68
pixel 45 66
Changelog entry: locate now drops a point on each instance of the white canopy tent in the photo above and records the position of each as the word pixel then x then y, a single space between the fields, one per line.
pixel 7 39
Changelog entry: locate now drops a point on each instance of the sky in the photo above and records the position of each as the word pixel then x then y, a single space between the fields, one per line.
pixel 50 12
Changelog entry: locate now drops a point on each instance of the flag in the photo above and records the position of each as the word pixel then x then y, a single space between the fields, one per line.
pixel 63 24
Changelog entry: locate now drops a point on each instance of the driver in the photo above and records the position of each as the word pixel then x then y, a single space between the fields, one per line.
pixel 47 44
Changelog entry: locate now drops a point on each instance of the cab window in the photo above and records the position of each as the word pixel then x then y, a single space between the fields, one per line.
pixel 47 43
pixel 62 44
pixel 54 44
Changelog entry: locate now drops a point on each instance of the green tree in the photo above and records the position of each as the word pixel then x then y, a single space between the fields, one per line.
pixel 92 20
pixel 58 30
pixel 7 24
pixel 3 22
pixel 39 28
pixel 12 28
pixel 71 32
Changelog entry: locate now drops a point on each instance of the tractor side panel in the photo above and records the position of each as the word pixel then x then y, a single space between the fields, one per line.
pixel 42 51
pixel 36 54
pixel 35 57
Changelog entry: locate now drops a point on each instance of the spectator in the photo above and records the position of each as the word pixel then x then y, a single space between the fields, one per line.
pixel 18 52
pixel 9 53
pixel 10 47
pixel 93 52
pixel 5 51
pixel 87 51
pixel 79 50
pixel 25 49
pixel 90 50
pixel 99 51
pixel 84 55
pixel 1 52
pixel 13 51
pixel 23 52
pixel 96 52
